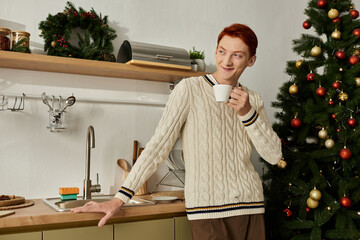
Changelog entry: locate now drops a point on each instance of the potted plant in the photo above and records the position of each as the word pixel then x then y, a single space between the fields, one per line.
pixel 197 57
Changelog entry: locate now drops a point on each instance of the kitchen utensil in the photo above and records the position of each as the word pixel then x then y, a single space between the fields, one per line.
pixel 52 101
pixel 45 100
pixel 135 150
pixel 69 102
pixel 6 213
pixel 140 151
pixel 123 164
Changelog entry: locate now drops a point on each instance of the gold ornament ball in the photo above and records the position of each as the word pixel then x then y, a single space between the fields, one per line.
pixel 315 51
pixel 357 81
pixel 336 34
pixel 343 97
pixel 312 203
pixel 315 194
pixel 299 63
pixel 293 89
pixel 329 143
pixel 323 134
pixel 333 13
pixel 282 164
pixel 53 44
pixel 357 52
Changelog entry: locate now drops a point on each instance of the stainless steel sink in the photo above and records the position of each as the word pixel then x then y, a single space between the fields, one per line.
pixel 62 206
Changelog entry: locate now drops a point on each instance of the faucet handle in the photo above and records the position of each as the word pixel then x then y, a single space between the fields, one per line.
pixel 97 186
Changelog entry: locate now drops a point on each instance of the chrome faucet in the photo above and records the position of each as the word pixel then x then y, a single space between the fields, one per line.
pixel 90 143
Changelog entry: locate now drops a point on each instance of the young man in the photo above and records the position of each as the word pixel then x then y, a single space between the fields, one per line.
pixel 223 193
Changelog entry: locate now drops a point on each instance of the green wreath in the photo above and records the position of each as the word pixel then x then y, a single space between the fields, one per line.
pixel 95 43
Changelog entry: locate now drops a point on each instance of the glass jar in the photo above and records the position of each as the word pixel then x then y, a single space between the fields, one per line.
pixel 5 39
pixel 18 36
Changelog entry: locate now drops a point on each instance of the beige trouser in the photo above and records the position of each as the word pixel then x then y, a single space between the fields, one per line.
pixel 245 227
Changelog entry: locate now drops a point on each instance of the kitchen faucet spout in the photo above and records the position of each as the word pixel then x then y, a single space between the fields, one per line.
pixel 90 143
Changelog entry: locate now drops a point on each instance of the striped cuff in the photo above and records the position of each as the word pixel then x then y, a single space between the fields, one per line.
pixel 125 194
pixel 250 117
pixel 225 207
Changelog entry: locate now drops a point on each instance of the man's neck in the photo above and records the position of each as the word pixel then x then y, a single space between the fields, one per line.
pixel 220 80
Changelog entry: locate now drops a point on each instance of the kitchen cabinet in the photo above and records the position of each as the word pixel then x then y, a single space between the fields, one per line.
pixel 22 236
pixel 177 228
pixel 83 233
pixel 182 228
pixel 45 63
pixel 160 229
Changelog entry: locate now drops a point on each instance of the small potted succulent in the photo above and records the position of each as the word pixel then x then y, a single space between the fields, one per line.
pixel 197 58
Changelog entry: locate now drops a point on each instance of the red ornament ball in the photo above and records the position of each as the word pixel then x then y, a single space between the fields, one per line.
pixel 353 60
pixel 341 55
pixel 321 91
pixel 352 122
pixel 354 13
pixel 345 153
pixel 356 32
pixel 287 212
pixel 331 102
pixel 336 20
pixel 306 24
pixel 307 209
pixel 310 77
pixel 336 85
pixel 345 202
pixel 296 123
pixel 322 3
pixel 333 116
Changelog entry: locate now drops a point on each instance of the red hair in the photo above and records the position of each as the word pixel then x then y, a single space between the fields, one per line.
pixel 244 33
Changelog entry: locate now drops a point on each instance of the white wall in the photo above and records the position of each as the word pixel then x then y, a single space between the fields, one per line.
pixel 35 162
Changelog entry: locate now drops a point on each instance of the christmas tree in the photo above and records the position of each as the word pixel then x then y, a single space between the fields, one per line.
pixel 314 191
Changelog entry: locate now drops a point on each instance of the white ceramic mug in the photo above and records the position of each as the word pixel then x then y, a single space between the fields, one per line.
pixel 222 92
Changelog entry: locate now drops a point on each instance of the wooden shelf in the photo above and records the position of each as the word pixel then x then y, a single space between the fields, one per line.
pixel 47 63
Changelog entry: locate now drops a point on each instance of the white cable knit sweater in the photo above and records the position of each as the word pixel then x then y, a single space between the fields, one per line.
pixel 220 180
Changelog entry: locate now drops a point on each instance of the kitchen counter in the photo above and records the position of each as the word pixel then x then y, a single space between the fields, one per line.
pixel 41 217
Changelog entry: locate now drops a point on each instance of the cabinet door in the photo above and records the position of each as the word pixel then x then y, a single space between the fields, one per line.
pixel 162 229
pixel 22 236
pixel 182 228
pixel 84 233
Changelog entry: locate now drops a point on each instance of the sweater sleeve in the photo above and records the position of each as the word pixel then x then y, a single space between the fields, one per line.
pixel 161 143
pixel 263 137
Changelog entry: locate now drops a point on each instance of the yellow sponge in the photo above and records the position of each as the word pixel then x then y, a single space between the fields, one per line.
pixel 68 190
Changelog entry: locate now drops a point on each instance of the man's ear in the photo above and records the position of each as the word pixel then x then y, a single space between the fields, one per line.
pixel 252 61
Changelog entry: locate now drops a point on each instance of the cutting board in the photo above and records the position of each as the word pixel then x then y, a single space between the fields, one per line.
pixel 6 213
